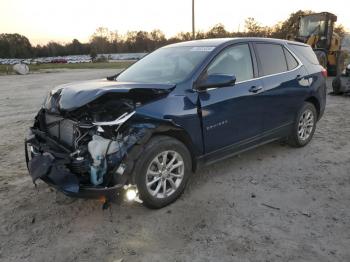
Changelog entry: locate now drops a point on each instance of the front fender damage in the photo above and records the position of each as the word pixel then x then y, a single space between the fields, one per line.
pixel 88 147
pixel 111 168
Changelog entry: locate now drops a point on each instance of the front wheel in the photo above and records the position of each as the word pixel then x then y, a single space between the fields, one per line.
pixel 304 127
pixel 162 172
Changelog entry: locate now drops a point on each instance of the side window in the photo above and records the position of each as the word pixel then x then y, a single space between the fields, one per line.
pixel 235 60
pixel 306 52
pixel 272 58
pixel 291 61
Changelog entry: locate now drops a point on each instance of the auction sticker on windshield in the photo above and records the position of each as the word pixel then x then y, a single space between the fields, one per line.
pixel 202 48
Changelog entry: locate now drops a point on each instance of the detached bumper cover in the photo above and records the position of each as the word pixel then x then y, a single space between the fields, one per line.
pixel 50 159
pixel 45 167
pixel 52 170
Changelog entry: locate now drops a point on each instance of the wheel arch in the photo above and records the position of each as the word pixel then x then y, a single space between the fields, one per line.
pixel 184 138
pixel 156 127
pixel 313 100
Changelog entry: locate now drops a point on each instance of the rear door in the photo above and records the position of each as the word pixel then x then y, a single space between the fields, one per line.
pixel 284 86
pixel 232 115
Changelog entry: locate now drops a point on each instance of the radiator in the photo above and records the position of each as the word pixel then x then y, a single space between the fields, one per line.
pixel 61 129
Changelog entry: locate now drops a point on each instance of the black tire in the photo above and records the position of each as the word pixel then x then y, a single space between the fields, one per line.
pixel 152 149
pixel 336 84
pixel 295 139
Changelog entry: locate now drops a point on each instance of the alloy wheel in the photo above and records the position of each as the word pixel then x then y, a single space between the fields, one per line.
pixel 165 174
pixel 306 125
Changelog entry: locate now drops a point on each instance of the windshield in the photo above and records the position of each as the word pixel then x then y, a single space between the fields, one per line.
pixel 166 65
pixel 311 25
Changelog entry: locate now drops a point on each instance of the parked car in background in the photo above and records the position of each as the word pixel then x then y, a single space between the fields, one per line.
pixel 185 105
pixel 59 61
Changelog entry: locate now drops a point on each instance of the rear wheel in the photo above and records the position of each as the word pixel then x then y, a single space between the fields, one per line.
pixel 304 126
pixel 162 172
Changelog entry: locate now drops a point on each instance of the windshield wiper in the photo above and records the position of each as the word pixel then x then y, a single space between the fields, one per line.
pixel 112 77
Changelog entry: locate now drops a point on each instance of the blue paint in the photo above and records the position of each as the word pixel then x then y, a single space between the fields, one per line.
pixel 97 172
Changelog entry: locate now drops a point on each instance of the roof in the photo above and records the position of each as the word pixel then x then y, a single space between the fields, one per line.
pixel 214 42
pixel 204 42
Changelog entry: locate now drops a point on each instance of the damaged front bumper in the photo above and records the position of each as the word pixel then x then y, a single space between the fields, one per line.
pixel 51 161
pixel 47 160
pixel 86 137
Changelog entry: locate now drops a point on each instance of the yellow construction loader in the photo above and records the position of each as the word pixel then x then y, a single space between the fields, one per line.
pixel 317 31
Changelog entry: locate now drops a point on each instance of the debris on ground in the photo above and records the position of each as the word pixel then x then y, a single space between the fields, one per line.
pixel 253 181
pixel 273 207
pixel 21 69
pixel 306 213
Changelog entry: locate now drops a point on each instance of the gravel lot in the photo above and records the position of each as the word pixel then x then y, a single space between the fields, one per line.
pixel 274 203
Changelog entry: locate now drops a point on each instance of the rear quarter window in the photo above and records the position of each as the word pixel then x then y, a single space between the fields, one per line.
pixel 291 61
pixel 271 58
pixel 306 52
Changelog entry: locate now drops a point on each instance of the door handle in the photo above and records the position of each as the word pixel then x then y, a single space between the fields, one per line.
pixel 255 89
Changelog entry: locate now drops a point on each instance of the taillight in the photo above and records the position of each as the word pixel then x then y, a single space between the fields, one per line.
pixel 324 72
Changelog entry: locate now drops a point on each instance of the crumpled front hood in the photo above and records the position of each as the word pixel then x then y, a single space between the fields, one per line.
pixel 71 96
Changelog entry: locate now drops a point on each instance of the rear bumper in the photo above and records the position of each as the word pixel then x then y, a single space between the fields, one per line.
pixel 48 163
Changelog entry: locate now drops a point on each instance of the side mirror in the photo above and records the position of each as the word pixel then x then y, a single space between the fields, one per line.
pixel 216 80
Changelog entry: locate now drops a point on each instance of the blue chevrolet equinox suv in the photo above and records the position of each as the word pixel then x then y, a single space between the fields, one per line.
pixel 141 133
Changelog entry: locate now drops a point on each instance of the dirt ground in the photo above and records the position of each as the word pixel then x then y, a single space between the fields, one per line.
pixel 274 203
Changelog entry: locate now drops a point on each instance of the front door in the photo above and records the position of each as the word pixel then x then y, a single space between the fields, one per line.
pixel 232 115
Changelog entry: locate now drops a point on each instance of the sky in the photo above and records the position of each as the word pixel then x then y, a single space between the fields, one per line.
pixel 45 20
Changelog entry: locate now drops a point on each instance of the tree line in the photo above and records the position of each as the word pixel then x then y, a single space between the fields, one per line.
pixel 105 41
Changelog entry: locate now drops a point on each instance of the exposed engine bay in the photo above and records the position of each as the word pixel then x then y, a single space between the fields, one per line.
pixel 86 147
pixel 93 143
